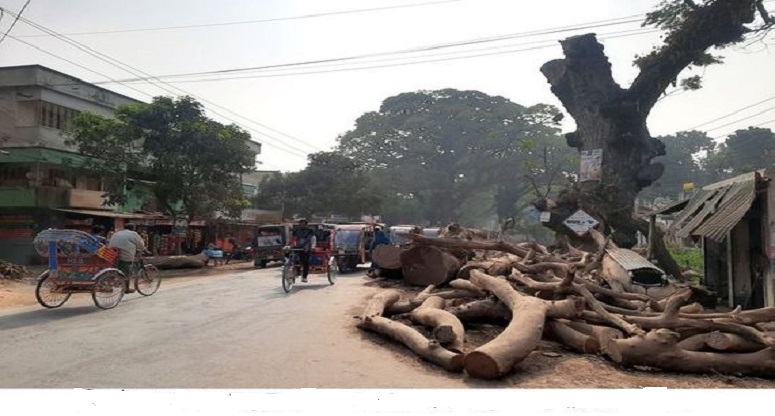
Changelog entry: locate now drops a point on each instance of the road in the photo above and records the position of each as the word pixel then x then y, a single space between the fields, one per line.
pixel 237 330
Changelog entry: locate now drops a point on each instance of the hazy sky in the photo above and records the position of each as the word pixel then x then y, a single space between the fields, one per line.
pixel 293 115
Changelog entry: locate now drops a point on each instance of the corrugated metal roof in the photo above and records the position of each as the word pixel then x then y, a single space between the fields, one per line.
pixel 718 207
pixel 631 260
pixel 642 272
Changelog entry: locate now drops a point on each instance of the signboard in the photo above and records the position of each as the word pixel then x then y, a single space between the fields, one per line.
pixel 545 217
pixel 591 165
pixel 688 186
pixel 580 222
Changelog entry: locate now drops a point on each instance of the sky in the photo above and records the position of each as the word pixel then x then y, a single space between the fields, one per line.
pixel 301 109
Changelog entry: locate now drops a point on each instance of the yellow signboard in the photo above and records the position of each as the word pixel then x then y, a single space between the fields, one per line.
pixel 688 186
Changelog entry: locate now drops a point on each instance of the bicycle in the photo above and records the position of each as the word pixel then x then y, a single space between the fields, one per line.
pixel 292 267
pixel 147 280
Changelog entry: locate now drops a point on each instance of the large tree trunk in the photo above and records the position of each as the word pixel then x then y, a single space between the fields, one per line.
pixel 613 119
pixel 424 265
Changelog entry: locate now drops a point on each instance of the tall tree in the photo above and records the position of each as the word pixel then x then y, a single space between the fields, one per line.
pixel 330 184
pixel 441 148
pixel 685 153
pixel 613 118
pixel 744 151
pixel 192 160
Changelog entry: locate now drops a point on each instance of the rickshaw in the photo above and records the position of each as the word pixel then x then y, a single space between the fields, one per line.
pixel 351 245
pixel 321 261
pixel 269 242
pixel 79 263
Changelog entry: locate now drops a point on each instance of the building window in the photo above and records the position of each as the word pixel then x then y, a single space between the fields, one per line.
pixel 12 175
pixel 56 116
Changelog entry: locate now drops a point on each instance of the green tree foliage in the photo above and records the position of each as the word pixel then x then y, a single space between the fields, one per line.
pixel 436 150
pixel 744 151
pixel 192 160
pixel 330 184
pixel 684 162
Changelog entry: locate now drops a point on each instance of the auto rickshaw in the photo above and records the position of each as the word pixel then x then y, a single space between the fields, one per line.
pixel 269 242
pixel 351 245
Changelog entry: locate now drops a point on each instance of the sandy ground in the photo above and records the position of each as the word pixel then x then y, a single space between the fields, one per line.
pixel 550 366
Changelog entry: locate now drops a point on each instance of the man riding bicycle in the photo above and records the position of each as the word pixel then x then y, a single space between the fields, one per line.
pixel 305 240
pixel 129 243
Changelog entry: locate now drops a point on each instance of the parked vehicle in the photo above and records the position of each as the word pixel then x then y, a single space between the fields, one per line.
pixel 395 234
pixel 351 245
pixel 268 244
pixel 431 232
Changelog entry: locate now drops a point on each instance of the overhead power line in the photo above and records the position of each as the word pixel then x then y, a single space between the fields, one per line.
pixel 134 71
pixel 18 16
pixel 257 21
pixel 427 48
pixel 739 110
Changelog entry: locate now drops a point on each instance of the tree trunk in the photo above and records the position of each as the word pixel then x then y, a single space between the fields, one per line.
pixel 415 341
pixel 613 120
pixel 387 256
pixel 424 265
pixel 721 341
pixel 520 337
pixel 659 349
pixel 569 337
pixel 447 329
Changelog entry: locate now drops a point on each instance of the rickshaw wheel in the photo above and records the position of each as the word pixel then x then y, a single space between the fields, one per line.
pixel 288 277
pixel 45 294
pixel 333 271
pixel 148 280
pixel 109 289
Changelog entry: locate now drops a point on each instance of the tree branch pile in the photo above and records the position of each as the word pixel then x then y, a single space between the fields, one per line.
pixel 533 292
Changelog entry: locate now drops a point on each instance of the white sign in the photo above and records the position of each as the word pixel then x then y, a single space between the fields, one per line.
pixel 591 165
pixel 545 217
pixel 580 222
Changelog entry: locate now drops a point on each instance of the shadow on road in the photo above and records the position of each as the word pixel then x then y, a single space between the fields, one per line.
pixel 40 316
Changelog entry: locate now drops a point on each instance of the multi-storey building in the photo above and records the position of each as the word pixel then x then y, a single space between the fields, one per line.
pixel 42 183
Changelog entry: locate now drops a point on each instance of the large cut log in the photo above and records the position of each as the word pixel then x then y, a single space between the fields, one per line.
pixel 520 338
pixel 379 302
pixel 470 245
pixel 484 309
pixel 424 265
pixel 462 284
pixel 387 256
pixel 402 306
pixel 721 341
pixel 602 334
pixel 697 342
pixel 447 328
pixel 569 337
pixel 178 262
pixel 659 349
pixel 429 350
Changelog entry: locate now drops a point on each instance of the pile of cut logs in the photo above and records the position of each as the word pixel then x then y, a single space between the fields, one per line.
pixel 582 299
pixel 12 271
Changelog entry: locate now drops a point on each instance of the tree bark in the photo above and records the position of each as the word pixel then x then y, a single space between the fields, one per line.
pixel 520 338
pixel 424 265
pixel 484 309
pixel 659 349
pixel 387 256
pixel 721 341
pixel 447 329
pixel 379 302
pixel 571 338
pixel 415 341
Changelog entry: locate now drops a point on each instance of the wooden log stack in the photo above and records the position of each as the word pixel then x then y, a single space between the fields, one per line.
pixel 565 295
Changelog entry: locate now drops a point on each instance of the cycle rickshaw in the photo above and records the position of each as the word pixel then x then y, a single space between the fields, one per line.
pixel 79 263
pixel 321 261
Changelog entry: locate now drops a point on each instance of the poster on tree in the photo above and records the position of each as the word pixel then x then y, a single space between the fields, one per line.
pixel 591 165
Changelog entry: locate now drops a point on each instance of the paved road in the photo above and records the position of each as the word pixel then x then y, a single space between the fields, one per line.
pixel 237 330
